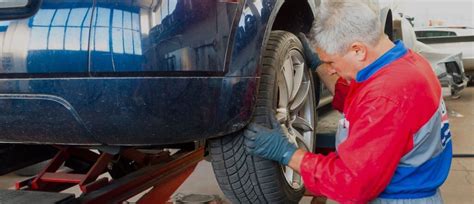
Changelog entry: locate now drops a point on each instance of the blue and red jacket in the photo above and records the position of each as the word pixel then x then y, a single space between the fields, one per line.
pixel 394 139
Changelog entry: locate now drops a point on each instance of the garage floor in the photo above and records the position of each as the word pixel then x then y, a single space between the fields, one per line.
pixel 459 188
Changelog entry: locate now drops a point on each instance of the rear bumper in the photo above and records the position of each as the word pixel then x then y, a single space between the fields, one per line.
pixel 123 111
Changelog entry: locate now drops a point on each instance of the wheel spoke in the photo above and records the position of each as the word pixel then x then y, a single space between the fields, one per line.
pixel 298 77
pixel 297 181
pixel 289 174
pixel 291 137
pixel 302 124
pixel 288 75
pixel 282 93
pixel 300 97
pixel 299 136
pixel 281 114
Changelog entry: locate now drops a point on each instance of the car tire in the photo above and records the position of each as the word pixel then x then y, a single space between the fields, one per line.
pixel 249 179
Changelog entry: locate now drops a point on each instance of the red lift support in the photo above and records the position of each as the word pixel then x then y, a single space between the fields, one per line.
pixel 162 172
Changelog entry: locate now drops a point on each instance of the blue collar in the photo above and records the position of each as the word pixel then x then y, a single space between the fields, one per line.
pixel 393 54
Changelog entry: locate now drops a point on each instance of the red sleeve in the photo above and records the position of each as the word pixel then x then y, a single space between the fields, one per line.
pixel 340 93
pixel 365 163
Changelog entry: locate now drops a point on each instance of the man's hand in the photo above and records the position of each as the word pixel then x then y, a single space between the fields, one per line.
pixel 312 59
pixel 269 143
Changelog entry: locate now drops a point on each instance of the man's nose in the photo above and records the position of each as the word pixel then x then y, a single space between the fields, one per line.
pixel 331 70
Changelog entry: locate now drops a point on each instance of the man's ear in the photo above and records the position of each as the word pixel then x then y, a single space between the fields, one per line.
pixel 359 50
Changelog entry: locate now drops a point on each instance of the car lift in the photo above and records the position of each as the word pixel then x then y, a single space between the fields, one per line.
pixel 163 172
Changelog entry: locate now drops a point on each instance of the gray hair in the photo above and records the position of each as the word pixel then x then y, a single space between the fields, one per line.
pixel 339 23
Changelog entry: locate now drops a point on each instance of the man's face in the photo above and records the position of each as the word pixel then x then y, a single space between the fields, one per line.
pixel 346 65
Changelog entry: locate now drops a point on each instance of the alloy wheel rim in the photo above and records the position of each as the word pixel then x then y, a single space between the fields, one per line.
pixel 294 108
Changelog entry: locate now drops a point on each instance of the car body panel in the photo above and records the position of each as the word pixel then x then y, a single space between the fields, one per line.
pixel 150 37
pixel 28 42
pixel 451 39
pixel 448 66
pixel 35 47
pixel 149 75
pixel 466 48
pixel 125 111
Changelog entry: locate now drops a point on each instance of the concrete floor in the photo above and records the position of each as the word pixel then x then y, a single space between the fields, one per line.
pixel 458 189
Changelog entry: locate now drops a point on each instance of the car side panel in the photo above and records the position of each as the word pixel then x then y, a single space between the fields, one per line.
pixel 161 67
pixel 124 96
pixel 148 79
pixel 52 43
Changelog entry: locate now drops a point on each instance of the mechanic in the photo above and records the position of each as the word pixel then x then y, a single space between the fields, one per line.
pixel 393 143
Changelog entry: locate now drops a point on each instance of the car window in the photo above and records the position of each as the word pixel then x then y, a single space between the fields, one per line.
pixel 434 33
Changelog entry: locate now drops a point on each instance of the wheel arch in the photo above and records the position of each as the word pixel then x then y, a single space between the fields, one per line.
pixel 293 16
pixel 283 17
pixel 284 14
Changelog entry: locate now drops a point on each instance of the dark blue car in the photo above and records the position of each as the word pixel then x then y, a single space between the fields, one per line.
pixel 154 73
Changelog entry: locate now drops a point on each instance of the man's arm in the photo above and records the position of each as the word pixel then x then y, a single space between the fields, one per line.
pixel 296 159
pixel 366 161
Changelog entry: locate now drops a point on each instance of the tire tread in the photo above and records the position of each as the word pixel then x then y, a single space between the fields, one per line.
pixel 244 178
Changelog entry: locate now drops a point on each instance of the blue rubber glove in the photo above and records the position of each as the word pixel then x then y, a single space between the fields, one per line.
pixel 269 143
pixel 312 59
